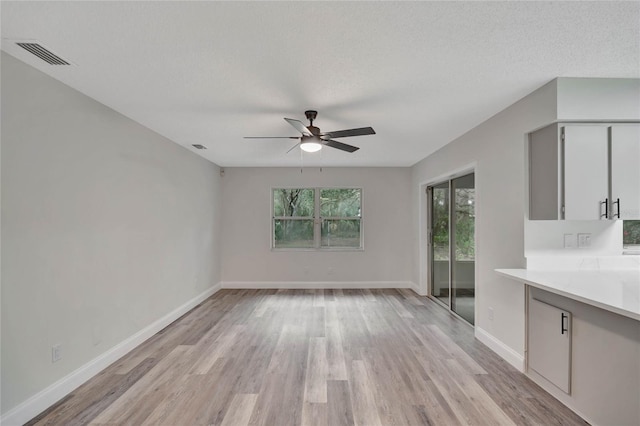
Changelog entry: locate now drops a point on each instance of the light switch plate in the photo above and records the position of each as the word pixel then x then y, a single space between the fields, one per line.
pixel 568 241
pixel 584 240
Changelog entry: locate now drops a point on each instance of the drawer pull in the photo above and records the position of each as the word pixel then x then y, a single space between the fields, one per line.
pixel 562 318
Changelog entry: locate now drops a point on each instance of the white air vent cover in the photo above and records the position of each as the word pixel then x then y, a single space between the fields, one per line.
pixel 43 53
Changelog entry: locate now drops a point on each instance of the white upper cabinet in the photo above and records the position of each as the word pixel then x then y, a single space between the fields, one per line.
pixel 625 171
pixel 586 175
pixel 584 172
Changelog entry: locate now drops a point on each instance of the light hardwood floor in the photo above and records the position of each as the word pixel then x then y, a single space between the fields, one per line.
pixel 311 357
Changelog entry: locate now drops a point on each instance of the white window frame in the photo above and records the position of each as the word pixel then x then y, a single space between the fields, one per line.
pixel 317 221
pixel 630 248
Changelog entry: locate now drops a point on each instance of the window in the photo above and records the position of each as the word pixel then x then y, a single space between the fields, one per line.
pixel 317 218
pixel 631 235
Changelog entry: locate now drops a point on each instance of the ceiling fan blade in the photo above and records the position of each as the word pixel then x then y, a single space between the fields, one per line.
pixel 350 132
pixel 272 137
pixel 340 145
pixel 299 126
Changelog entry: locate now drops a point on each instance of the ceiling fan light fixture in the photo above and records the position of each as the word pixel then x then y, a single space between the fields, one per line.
pixel 310 146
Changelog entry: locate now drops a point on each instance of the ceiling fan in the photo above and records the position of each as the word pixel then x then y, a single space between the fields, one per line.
pixel 313 140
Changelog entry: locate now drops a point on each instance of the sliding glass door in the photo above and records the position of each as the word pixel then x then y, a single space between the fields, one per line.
pixel 452 244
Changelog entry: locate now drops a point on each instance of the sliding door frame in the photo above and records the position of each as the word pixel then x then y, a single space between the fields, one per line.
pixel 451 229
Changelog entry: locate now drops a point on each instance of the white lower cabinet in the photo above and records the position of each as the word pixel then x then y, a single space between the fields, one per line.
pixel 549 345
pixel 586 357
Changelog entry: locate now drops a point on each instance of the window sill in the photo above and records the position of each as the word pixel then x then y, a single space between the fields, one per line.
pixel 328 249
pixel 631 250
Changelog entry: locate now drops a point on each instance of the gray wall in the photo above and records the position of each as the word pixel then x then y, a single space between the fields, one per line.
pixel 106 227
pixel 496 150
pixel 248 260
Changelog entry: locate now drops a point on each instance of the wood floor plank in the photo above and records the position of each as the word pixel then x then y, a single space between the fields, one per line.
pixel 218 349
pixel 240 410
pixel 336 365
pixel 369 296
pixel 474 393
pixel 402 311
pixel 318 299
pixel 98 395
pixel 186 403
pixel 314 414
pixel 135 405
pixel 311 357
pixel 456 351
pixel 315 384
pixel 365 408
pixel 339 408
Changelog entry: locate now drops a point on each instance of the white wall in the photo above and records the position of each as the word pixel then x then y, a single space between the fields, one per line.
pixel 496 149
pixel 106 227
pixel 247 256
pixel 598 99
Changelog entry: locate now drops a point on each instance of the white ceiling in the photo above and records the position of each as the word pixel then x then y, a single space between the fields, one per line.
pixel 420 73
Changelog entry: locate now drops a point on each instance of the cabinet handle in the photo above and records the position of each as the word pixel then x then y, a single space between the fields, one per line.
pixel 606 208
pixel 562 318
pixel 617 203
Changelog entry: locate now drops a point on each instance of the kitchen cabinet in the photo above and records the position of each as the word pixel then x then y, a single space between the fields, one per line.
pixel 625 171
pixel 585 172
pixel 586 180
pixel 604 333
pixel 549 343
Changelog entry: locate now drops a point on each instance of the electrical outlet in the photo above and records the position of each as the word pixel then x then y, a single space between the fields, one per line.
pixel 96 335
pixel 568 241
pixel 584 240
pixel 491 314
pixel 56 353
pixel 330 270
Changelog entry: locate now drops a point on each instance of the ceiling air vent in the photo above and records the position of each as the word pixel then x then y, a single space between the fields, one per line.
pixel 198 146
pixel 44 54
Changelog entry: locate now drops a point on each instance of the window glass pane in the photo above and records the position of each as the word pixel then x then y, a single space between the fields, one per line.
pixel 340 202
pixel 293 233
pixel 340 233
pixel 440 224
pixel 465 219
pixel 631 232
pixel 297 202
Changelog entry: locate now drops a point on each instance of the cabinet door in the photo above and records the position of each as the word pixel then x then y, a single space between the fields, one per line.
pixel 549 348
pixel 625 170
pixel 586 174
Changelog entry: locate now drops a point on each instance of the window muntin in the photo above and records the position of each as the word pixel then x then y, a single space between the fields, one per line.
pixel 317 218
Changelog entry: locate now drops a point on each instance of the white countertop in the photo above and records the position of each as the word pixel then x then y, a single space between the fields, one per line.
pixel 613 290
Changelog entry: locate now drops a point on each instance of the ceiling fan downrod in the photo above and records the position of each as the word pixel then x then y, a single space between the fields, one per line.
pixel 311 115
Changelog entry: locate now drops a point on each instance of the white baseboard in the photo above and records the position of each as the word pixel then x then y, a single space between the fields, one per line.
pixel 505 352
pixel 315 284
pixel 58 390
pixel 417 290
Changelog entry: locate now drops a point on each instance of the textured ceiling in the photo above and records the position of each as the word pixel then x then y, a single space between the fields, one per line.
pixel 420 73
